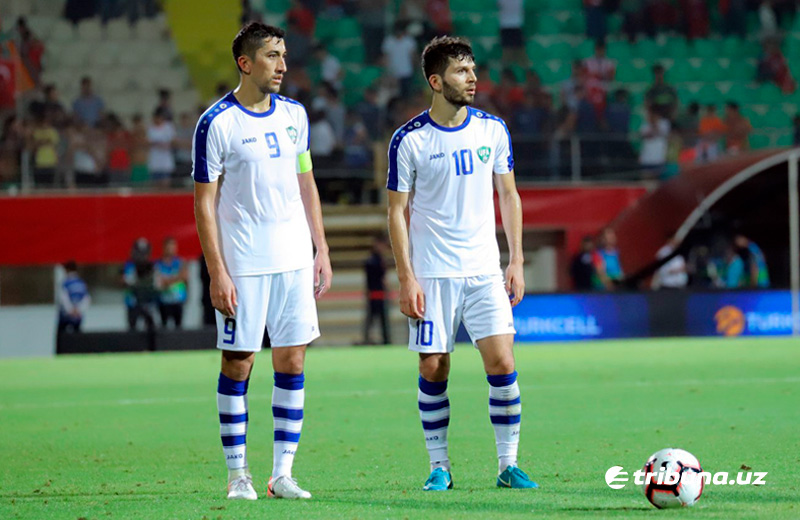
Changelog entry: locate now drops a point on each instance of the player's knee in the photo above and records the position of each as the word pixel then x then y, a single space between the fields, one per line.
pixel 434 367
pixel 500 366
pixel 237 365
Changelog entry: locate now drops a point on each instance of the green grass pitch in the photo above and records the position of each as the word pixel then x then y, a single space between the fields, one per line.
pixel 136 436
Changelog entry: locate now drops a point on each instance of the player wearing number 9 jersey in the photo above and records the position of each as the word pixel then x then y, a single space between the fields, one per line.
pixel 258 211
pixel 442 168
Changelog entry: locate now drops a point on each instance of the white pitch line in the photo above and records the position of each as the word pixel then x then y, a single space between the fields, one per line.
pixel 369 393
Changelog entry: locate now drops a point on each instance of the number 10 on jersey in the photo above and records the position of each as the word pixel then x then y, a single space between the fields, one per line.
pixel 463 160
pixel 424 333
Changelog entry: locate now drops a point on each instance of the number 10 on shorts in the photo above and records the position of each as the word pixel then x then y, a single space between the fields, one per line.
pixel 424 333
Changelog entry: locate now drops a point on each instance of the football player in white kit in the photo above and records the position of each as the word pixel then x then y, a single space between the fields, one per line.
pixel 442 168
pixel 257 210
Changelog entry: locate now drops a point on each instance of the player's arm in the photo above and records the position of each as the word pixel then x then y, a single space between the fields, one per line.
pixel 511 214
pixel 223 292
pixel 412 299
pixel 323 274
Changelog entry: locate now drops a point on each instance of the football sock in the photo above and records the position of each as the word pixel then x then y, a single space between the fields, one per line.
pixel 434 410
pixel 505 413
pixel 232 407
pixel 288 397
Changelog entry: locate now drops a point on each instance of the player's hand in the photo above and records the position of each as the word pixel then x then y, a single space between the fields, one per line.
pixel 515 283
pixel 323 274
pixel 412 299
pixel 223 294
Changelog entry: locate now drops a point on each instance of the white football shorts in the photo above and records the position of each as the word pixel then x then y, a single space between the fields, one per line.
pixel 481 302
pixel 282 302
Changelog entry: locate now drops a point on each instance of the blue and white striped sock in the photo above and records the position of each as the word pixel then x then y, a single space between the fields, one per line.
pixel 434 410
pixel 288 397
pixel 505 412
pixel 232 407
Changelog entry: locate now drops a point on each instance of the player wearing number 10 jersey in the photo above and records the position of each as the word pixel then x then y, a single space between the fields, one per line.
pixel 442 167
pixel 257 211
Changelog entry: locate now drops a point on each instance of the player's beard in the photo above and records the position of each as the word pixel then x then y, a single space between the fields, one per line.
pixel 456 97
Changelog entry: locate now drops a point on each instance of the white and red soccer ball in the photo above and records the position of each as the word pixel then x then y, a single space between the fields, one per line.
pixel 672 479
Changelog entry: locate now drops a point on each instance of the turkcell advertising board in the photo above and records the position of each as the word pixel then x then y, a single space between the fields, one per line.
pixel 745 313
pixel 559 317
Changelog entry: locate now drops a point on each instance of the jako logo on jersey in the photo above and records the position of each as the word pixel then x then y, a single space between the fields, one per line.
pixel 249 140
pixel 292 131
pixel 235 456
pixel 437 156
pixel 483 154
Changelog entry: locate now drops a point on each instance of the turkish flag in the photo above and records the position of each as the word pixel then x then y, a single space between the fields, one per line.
pixel 7 83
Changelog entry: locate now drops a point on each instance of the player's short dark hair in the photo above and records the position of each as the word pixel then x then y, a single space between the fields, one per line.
pixel 251 38
pixel 436 55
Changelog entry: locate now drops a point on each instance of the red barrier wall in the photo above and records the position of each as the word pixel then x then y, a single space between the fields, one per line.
pixel 94 229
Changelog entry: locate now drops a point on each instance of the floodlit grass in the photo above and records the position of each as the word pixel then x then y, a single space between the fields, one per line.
pixel 136 436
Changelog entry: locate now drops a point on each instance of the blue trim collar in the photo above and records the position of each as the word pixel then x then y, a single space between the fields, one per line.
pixel 232 100
pixel 449 128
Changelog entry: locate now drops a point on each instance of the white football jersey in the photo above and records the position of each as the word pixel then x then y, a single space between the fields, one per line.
pixel 449 172
pixel 260 214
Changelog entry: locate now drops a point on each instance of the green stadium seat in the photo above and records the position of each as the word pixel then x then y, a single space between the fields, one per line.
pixel 758 141
pixel 709 70
pixel 741 93
pixel 682 71
pixel 737 70
pixel 647 50
pixel 786 139
pixel 348 28
pixel 776 118
pixel 619 50
pixel 709 94
pixel 584 49
pixel 477 25
pixel 636 121
pixel 706 49
pixel 535 50
pixel 676 48
pixel 554 71
pixel 575 23
pixel 614 24
pixel 348 50
pixel 769 94
pixel 547 24
pixel 275 6
pixel 561 50
pixel 477 6
pixel 634 71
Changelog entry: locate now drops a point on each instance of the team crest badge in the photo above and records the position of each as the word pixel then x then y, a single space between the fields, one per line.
pixel 483 153
pixel 292 131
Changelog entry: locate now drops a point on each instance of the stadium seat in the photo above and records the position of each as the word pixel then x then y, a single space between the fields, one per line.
pixel 477 25
pixel 769 94
pixel 150 28
pixel 118 29
pixel 574 23
pixel 585 49
pixel 741 93
pixel 476 6
pixel 633 71
pixel 63 31
pixel 42 24
pixel 647 50
pixel 704 48
pixel 547 24
pixel 619 50
pixel 709 93
pixel 682 71
pixel 348 50
pixel 758 141
pixel 676 48
pixel 90 30
pixel 105 55
pixel 273 6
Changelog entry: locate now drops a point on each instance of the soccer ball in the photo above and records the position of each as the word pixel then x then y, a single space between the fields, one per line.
pixel 672 479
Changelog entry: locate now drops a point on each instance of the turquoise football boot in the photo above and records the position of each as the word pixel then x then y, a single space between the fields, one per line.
pixel 515 478
pixel 440 480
